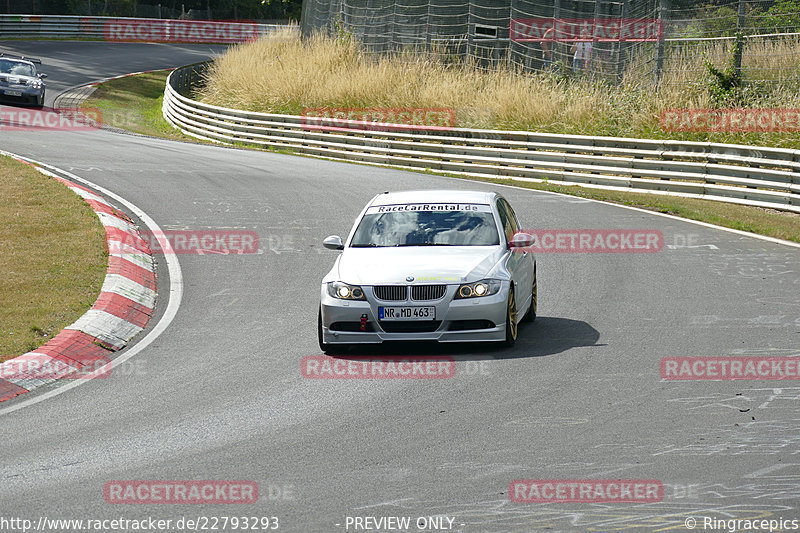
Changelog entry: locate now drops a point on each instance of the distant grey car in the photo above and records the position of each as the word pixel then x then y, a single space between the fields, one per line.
pixel 19 81
pixel 445 266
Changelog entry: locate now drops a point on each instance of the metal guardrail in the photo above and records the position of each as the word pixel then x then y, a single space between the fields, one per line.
pixel 750 175
pixel 129 29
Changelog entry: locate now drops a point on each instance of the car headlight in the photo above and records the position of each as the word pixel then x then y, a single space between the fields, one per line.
pixel 343 291
pixel 485 287
pixel 36 84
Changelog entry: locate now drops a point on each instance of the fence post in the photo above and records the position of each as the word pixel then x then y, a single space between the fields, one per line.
pixel 510 52
pixel 331 25
pixel 740 22
pixel 305 9
pixel 470 29
pixel 593 65
pixel 555 48
pixel 620 61
pixel 428 29
pixel 518 53
pixel 393 39
pixel 663 8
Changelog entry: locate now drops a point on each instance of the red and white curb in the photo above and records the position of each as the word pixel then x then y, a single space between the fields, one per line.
pixel 126 303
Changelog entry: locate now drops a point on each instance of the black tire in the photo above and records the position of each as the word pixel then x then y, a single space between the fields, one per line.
pixel 512 322
pixel 530 316
pixel 329 349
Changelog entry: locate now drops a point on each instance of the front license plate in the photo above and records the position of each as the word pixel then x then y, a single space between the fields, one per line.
pixel 407 313
pixel 12 93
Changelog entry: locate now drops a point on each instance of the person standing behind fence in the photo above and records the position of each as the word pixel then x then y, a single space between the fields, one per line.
pixel 547 47
pixel 583 56
pixel 583 51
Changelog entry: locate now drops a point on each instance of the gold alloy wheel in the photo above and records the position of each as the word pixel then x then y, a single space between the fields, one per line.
pixel 512 314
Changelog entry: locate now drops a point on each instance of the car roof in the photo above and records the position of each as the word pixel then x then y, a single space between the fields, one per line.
pixel 434 196
pixel 17 60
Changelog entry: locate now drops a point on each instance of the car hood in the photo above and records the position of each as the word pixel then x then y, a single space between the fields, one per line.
pixel 380 266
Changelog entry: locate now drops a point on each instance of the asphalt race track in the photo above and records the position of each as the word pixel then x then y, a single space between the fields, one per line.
pixel 219 394
pixel 72 63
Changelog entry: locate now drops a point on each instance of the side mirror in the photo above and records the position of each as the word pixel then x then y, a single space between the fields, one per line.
pixel 334 242
pixel 521 240
pixel 42 75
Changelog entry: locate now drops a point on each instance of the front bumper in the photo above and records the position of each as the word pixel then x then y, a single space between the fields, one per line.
pixel 28 95
pixel 467 320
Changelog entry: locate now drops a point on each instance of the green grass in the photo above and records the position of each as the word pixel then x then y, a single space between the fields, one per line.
pixel 142 105
pixel 134 103
pixel 54 258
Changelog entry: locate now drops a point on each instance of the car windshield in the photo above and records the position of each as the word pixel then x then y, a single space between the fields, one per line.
pixel 427 225
pixel 16 68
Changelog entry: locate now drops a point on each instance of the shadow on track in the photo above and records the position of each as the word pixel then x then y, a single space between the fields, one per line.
pixel 545 336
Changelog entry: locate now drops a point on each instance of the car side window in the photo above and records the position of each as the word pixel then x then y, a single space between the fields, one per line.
pixel 505 220
pixel 512 225
pixel 512 216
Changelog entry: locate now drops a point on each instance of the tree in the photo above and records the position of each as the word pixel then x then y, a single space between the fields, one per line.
pixel 284 9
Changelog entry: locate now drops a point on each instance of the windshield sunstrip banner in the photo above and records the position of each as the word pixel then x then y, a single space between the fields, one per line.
pixel 401 208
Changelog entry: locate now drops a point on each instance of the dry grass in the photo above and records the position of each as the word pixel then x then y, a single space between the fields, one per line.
pixel 53 260
pixel 287 75
pixel 773 60
pixel 283 74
